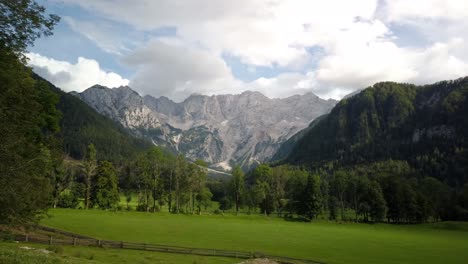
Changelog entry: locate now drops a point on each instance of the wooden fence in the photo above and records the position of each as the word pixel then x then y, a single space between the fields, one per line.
pixel 68 238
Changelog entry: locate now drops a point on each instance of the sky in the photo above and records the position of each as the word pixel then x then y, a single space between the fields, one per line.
pixel 176 48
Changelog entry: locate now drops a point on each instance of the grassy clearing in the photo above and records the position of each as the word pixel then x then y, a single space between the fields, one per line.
pixel 322 241
pixel 11 253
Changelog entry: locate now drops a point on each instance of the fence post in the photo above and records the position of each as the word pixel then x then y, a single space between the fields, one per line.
pixel 121 244
pixel 99 243
pixel 26 239
pixel 50 240
pixel 74 241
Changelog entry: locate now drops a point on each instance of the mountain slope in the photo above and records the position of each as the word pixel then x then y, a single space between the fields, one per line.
pixel 425 125
pixel 288 146
pixel 223 129
pixel 81 125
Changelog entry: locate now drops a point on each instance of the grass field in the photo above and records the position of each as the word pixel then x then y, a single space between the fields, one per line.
pixel 12 253
pixel 321 241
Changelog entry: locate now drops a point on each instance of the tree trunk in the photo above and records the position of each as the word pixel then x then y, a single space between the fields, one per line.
pixel 88 191
pixel 170 193
pixel 237 203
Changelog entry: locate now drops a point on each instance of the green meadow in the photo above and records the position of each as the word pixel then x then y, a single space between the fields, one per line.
pixel 12 253
pixel 328 242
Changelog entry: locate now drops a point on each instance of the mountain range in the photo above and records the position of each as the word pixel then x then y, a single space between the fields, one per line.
pixel 223 130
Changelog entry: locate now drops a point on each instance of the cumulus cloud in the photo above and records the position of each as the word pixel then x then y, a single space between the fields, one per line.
pixel 74 77
pixel 176 70
pixel 357 40
pixel 408 11
pixel 259 32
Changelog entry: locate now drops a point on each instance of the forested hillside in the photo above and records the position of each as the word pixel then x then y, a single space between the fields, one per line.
pixel 426 126
pixel 81 125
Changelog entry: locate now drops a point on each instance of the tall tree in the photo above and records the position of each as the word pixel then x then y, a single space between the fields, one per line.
pixel 153 167
pixel 377 203
pixel 28 117
pixel 89 167
pixel 180 177
pixel 105 189
pixel 262 188
pixel 237 186
pixel 339 184
pixel 310 204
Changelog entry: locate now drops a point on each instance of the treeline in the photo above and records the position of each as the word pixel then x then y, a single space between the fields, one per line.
pixel 157 177
pixel 388 191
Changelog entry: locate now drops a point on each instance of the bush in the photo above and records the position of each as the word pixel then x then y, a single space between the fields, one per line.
pixel 155 208
pixel 217 211
pixel 141 208
pixel 55 249
pixel 6 235
pixel 67 199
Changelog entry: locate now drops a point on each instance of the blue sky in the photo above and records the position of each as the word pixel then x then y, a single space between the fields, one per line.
pixel 280 48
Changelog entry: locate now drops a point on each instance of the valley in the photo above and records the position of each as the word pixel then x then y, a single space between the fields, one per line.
pixel 242 132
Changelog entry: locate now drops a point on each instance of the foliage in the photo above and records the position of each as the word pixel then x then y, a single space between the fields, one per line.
pixel 29 120
pixel 22 22
pixel 237 186
pixel 310 201
pixel 89 167
pixel 105 189
pixel 424 125
pixel 67 199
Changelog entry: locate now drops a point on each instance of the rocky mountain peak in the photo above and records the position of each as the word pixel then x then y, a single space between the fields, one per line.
pixel 221 129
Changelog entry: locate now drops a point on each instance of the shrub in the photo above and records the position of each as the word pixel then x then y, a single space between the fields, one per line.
pixel 67 199
pixel 55 249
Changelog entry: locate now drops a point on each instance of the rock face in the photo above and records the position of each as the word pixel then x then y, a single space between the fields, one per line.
pixel 222 130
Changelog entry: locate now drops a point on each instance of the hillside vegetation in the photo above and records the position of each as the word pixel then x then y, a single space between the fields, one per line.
pixel 81 125
pixel 424 125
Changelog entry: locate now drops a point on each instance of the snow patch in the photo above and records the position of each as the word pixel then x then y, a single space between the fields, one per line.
pixel 224 123
pixel 176 138
pixel 224 165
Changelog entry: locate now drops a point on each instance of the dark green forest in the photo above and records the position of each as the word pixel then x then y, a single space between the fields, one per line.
pixel 409 139
pixel 423 125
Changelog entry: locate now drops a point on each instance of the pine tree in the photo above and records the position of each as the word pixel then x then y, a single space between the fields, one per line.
pixel 310 203
pixel 89 171
pixel 105 189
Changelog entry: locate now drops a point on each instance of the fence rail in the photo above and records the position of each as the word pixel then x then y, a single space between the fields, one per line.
pixel 78 240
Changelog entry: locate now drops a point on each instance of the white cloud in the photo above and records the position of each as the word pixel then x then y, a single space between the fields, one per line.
pixel 357 43
pixel 170 68
pixel 108 36
pixel 167 67
pixel 74 77
pixel 260 32
pixel 407 11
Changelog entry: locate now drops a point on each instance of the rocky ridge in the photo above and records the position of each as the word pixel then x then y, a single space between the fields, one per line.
pixel 222 129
